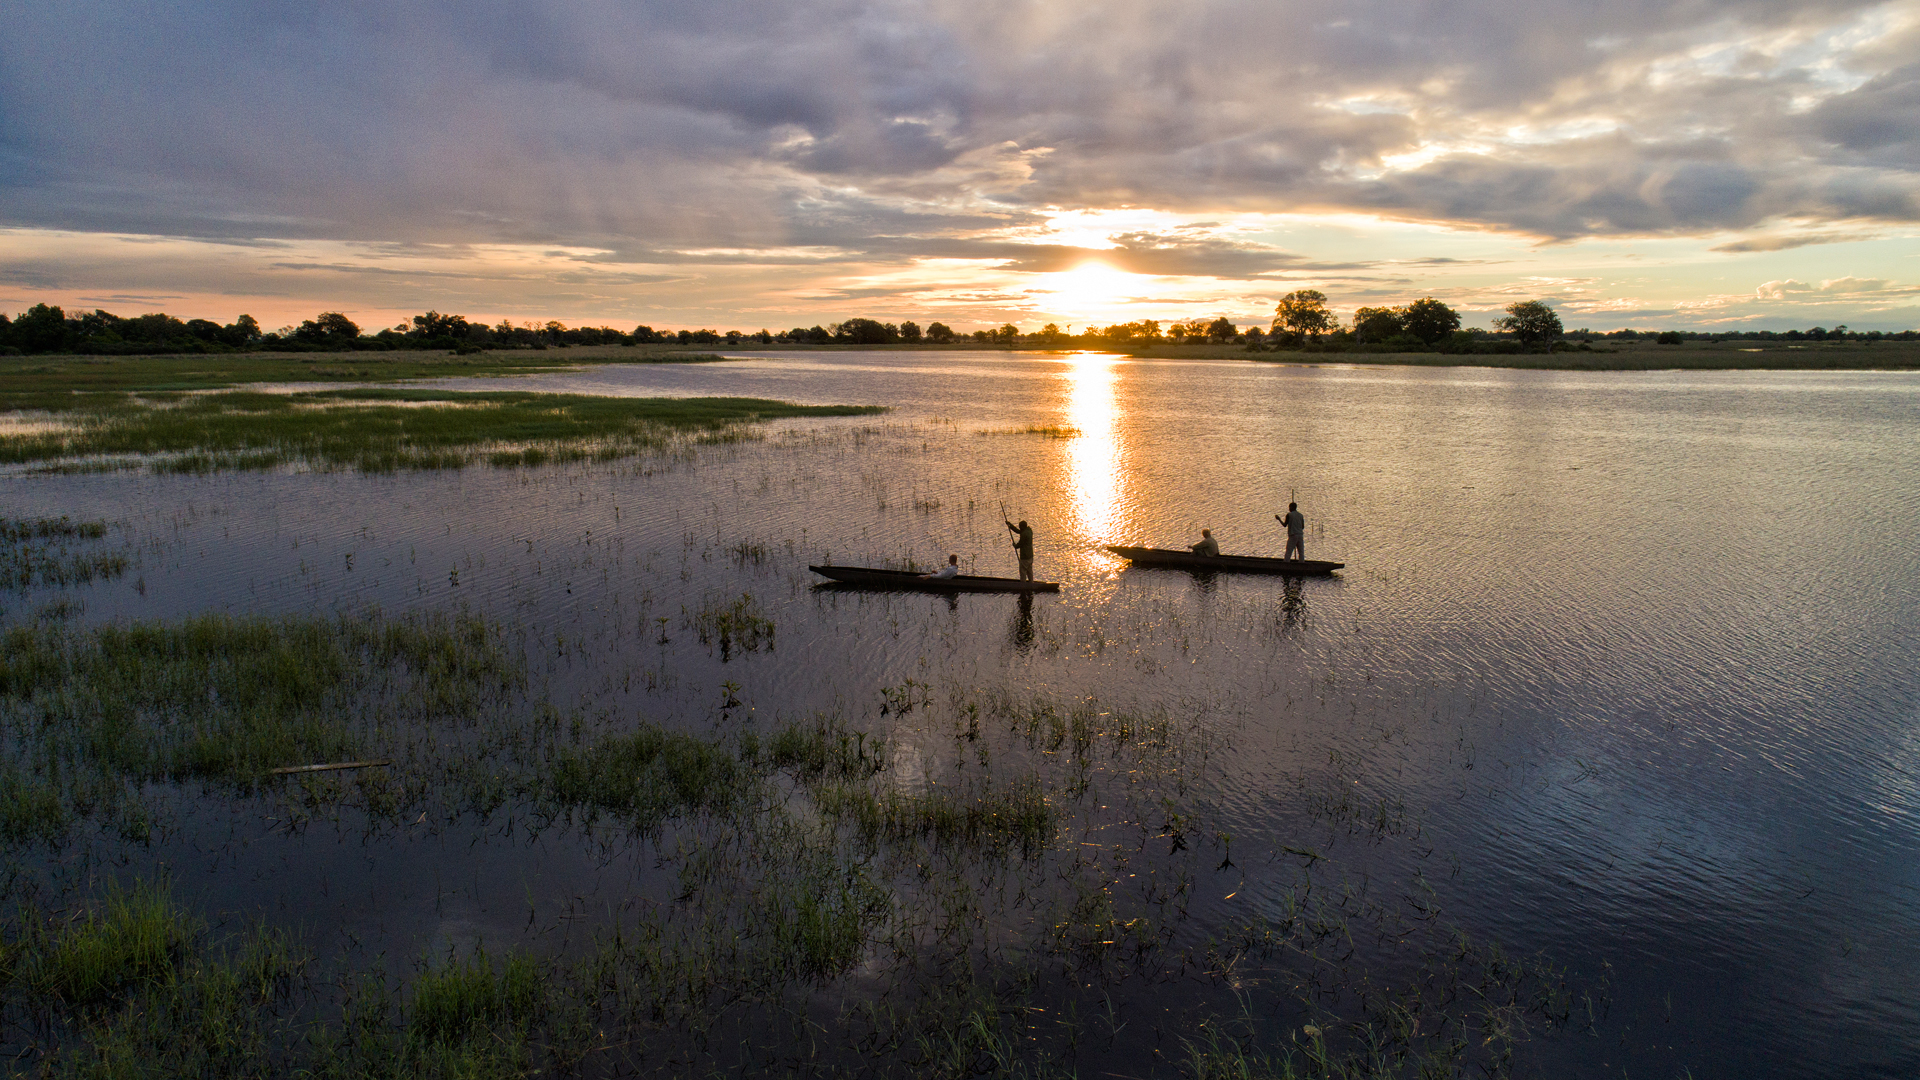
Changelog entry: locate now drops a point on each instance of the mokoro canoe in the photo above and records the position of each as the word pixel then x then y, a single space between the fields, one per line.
pixel 872 578
pixel 1236 564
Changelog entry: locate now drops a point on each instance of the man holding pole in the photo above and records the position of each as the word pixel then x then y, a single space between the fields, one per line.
pixel 1023 543
pixel 1296 531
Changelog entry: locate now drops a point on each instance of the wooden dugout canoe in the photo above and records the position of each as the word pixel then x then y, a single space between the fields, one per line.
pixel 873 578
pixel 1236 564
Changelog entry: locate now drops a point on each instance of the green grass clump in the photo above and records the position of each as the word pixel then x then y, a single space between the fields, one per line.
pixel 383 430
pixel 737 623
pixel 817 914
pixel 127 989
pixel 135 938
pixel 1016 815
pixel 88 712
pixel 648 776
pixel 464 998
pixel 819 749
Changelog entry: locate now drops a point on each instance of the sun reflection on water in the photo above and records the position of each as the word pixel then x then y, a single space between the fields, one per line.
pixel 1093 458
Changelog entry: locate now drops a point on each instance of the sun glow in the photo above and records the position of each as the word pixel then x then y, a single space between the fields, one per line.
pixel 1090 292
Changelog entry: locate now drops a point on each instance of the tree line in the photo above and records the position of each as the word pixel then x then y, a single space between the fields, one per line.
pixel 1301 321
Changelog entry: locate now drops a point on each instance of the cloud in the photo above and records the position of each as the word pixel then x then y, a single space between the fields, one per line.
pixel 1784 243
pixel 1789 288
pixel 740 124
pixel 773 142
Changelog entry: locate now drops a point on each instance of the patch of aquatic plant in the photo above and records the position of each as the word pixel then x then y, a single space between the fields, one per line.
pixel 818 749
pixel 461 999
pixel 380 430
pixel 648 775
pixel 731 624
pixel 1434 1003
pixel 1017 814
pixel 87 715
pixel 37 553
pixel 60 528
pixel 1050 431
pixel 130 987
pixel 97 956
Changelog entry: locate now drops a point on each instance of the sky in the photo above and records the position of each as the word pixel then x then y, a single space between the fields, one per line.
pixel 1690 164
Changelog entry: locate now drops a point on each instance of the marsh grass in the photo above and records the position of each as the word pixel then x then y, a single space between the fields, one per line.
pixel 1016 815
pixel 39 553
pixel 132 988
pixel 647 776
pixel 957 893
pixel 89 716
pixel 732 624
pixel 384 430
pixel 58 383
pixel 1049 431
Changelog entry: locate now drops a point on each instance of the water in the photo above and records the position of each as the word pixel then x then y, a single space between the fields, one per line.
pixel 1633 651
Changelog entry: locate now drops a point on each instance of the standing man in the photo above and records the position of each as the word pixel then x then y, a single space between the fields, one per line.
pixel 1023 543
pixel 1296 532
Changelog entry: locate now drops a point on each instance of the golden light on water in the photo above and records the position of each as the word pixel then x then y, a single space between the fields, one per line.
pixel 1093 457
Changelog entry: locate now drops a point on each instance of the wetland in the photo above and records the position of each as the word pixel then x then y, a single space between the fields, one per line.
pixel 1598 759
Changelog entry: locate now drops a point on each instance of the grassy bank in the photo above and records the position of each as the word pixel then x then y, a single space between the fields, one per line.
pixel 380 430
pixel 57 383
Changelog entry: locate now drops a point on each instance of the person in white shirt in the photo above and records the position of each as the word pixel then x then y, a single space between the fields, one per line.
pixel 952 569
pixel 1207 545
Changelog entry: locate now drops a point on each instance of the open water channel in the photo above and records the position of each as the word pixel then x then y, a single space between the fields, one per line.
pixel 1629 659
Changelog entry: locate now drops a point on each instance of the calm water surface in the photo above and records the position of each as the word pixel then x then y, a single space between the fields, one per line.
pixel 1634 651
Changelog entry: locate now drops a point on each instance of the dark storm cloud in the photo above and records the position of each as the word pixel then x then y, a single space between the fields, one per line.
pixel 900 128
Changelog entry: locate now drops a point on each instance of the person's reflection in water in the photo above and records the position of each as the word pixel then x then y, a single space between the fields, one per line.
pixel 1205 581
pixel 1293 605
pixel 953 602
pixel 1022 632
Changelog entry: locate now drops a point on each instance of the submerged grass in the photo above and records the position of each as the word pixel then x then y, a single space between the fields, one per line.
pixel 954 899
pixel 89 715
pixel 740 624
pixel 648 775
pixel 382 430
pixel 38 553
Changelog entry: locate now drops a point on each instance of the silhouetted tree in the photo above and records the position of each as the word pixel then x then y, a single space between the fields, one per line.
pixel 1221 330
pixel 939 333
pixel 1533 322
pixel 331 328
pixel 866 332
pixel 1429 320
pixel 41 328
pixel 1372 324
pixel 909 331
pixel 1303 311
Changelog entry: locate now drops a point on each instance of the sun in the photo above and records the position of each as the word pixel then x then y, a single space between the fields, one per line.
pixel 1090 292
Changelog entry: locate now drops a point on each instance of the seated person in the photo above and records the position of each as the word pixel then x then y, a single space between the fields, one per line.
pixel 1207 545
pixel 952 569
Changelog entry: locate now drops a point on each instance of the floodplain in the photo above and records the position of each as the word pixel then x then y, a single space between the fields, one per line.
pixel 629 796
